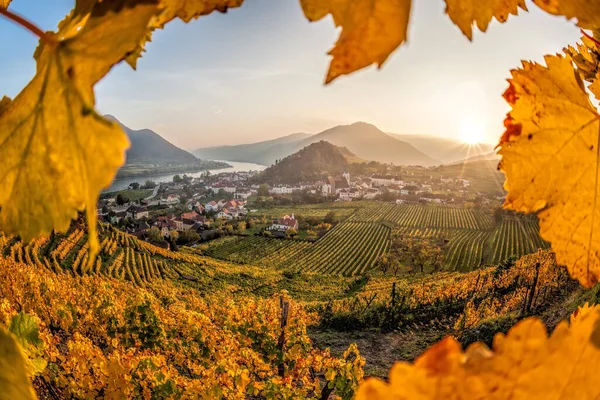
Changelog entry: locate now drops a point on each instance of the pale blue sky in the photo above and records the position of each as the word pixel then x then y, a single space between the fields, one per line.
pixel 256 73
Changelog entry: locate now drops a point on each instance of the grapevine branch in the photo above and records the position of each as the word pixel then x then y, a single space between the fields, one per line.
pixel 593 39
pixel 26 24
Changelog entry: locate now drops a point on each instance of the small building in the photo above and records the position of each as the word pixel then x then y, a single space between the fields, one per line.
pixel 243 194
pixel 213 206
pixel 285 223
pixel 137 212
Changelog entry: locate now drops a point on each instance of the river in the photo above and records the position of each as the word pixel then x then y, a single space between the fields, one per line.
pixel 123 183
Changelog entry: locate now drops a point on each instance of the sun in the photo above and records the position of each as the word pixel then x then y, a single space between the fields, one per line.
pixel 471 133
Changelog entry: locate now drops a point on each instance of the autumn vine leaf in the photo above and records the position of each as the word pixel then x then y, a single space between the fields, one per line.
pixel 466 13
pixel 371 31
pixel 550 158
pixel 186 10
pixel 586 12
pixel 57 152
pixel 14 383
pixel 524 364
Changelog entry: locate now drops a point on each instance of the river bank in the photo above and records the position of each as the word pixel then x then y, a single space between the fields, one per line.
pixel 122 183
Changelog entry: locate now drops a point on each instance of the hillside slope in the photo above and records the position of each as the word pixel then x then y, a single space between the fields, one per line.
pixel 446 150
pixel 264 153
pixel 148 146
pixel 314 162
pixel 363 139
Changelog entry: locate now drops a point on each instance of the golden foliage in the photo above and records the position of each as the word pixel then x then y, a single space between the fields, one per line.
pixel 14 383
pixel 524 364
pixel 550 158
pixel 466 13
pixel 371 30
pixel 586 12
pixel 4 3
pixel 51 137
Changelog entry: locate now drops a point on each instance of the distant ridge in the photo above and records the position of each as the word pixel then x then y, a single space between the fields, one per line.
pixel 483 157
pixel 149 147
pixel 446 150
pixel 264 153
pixel 365 140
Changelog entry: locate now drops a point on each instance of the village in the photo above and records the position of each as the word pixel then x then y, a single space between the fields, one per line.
pixel 190 210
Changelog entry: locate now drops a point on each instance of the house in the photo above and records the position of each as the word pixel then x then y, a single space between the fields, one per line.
pixel 213 206
pixel 386 180
pixel 326 189
pixel 171 199
pixel 221 203
pixel 371 193
pixel 243 194
pixel 281 190
pixel 137 212
pixel 166 226
pixel 224 214
pixel 349 194
pixel 285 223
pixel 230 204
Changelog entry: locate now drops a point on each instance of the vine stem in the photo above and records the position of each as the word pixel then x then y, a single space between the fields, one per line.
pixel 593 39
pixel 26 24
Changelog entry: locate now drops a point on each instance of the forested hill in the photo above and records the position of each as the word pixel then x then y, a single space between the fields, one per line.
pixel 314 162
pixel 148 146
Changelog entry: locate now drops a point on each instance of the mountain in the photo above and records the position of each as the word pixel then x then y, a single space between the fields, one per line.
pixel 264 153
pixel 314 162
pixel 149 147
pixel 364 140
pixel 493 156
pixel 446 150
pixel 370 143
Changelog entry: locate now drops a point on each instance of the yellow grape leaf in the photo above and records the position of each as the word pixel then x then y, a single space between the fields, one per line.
pixel 14 383
pixel 550 158
pixel 371 31
pixel 186 10
pixel 4 3
pixel 57 152
pixel 524 364
pixel 587 12
pixel 466 13
pixel 4 102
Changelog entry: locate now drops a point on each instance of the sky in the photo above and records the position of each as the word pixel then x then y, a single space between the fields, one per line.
pixel 257 72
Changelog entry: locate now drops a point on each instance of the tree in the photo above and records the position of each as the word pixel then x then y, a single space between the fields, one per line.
pixel 330 218
pixel 189 236
pixel 177 179
pixel 149 185
pixel 419 253
pixel 122 199
pixel 105 210
pixel 291 232
pixel 263 190
pixel 154 234
pixel 134 185
pixel 241 226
